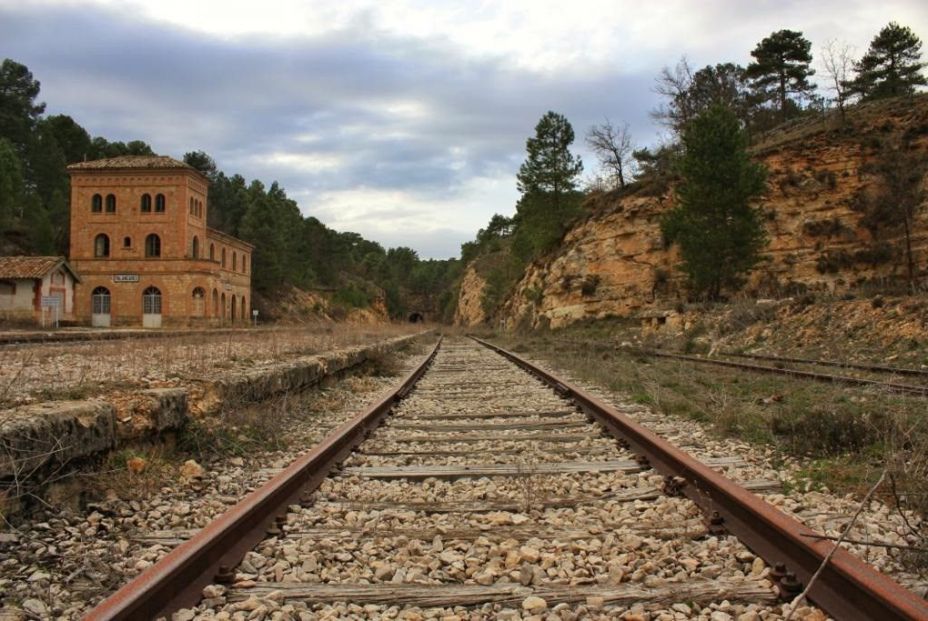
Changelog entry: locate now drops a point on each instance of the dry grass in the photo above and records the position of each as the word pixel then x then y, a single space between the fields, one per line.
pixel 75 370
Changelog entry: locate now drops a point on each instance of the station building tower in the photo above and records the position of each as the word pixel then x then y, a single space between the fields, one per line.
pixel 145 256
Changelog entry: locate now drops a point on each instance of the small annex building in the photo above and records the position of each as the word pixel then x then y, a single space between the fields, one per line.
pixel 36 289
pixel 145 255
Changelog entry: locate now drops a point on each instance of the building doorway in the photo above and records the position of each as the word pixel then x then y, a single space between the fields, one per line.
pixel 100 316
pixel 151 308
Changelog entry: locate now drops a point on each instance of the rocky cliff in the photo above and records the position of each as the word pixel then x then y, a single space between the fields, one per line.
pixel 469 311
pixel 615 262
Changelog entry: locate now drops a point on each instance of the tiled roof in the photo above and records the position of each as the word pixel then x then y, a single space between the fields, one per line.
pixel 132 161
pixel 31 267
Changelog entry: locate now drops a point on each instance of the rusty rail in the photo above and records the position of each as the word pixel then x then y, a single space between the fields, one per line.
pixel 176 580
pixel 847 588
pixel 876 368
pixel 909 389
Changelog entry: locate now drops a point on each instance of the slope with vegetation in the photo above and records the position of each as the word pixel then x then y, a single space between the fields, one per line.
pixel 842 207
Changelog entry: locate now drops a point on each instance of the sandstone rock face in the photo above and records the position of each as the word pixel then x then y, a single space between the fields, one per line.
pixel 470 309
pixel 615 262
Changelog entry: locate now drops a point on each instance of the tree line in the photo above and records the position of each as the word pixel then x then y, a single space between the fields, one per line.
pixel 290 249
pixel 713 113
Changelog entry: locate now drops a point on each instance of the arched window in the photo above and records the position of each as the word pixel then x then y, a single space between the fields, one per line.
pixel 192 206
pixel 159 203
pixel 126 242
pixel 200 209
pixel 145 203
pixel 222 306
pixel 196 247
pixel 244 312
pixel 152 246
pixel 232 314
pixel 234 261
pixel 151 301
pixel 96 204
pixel 244 263
pixel 101 246
pixel 212 252
pixel 199 302
pixel 215 303
pixel 110 203
pixel 223 260
pixel 100 301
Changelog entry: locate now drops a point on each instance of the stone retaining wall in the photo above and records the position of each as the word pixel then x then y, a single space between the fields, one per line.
pixel 38 439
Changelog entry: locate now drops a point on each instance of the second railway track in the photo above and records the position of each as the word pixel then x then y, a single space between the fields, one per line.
pixel 487 494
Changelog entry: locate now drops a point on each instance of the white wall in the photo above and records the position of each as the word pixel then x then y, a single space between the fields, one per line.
pixel 21 300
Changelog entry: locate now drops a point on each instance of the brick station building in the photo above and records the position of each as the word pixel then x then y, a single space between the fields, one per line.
pixel 145 256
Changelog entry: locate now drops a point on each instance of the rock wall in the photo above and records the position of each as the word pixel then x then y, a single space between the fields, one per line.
pixel 39 439
pixel 615 263
pixel 469 311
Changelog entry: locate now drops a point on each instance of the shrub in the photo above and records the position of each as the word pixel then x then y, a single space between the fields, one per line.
pixel 589 285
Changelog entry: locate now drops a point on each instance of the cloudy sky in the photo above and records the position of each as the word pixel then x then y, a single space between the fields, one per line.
pixel 402 120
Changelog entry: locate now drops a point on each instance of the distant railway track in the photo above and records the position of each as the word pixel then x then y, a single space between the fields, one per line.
pixel 896 387
pixel 875 368
pixel 453 489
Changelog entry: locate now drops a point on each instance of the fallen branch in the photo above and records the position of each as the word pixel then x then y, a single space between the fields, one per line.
pixel 799 598
pixel 875 544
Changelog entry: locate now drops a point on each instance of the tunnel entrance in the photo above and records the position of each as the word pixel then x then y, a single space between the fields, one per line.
pixel 416 317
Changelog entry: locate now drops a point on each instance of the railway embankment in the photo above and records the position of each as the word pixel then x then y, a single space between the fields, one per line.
pixel 39 441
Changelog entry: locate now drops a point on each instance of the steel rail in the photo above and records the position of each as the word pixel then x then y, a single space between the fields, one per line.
pixel 177 580
pixel 909 389
pixel 876 368
pixel 847 588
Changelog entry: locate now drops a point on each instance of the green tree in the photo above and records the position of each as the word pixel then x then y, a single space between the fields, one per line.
pixel 550 167
pixel 202 162
pixel 892 65
pixel 548 183
pixel 719 233
pixel 689 93
pixel 73 139
pixel 898 197
pixel 12 186
pixel 260 227
pixel 781 67
pixel 19 111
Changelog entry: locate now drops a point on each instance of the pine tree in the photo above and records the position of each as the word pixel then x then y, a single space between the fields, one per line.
pixel 19 111
pixel 548 183
pixel 892 66
pixel 719 233
pixel 781 68
pixel 550 167
pixel 12 185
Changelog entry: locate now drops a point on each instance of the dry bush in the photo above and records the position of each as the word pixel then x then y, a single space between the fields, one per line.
pixel 904 438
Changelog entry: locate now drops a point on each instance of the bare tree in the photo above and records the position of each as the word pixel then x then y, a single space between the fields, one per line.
pixel 838 61
pixel 612 144
pixel 674 84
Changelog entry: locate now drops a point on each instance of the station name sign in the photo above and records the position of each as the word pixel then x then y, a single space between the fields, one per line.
pixel 125 277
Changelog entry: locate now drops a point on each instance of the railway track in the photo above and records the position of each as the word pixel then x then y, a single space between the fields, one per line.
pixel 780 369
pixel 478 490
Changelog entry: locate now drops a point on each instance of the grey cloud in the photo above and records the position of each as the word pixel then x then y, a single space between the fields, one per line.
pixel 243 99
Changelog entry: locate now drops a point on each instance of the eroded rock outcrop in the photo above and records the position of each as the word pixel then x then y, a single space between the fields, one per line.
pixel 469 311
pixel 615 262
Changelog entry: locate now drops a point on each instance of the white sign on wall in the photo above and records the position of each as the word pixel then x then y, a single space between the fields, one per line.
pixel 125 277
